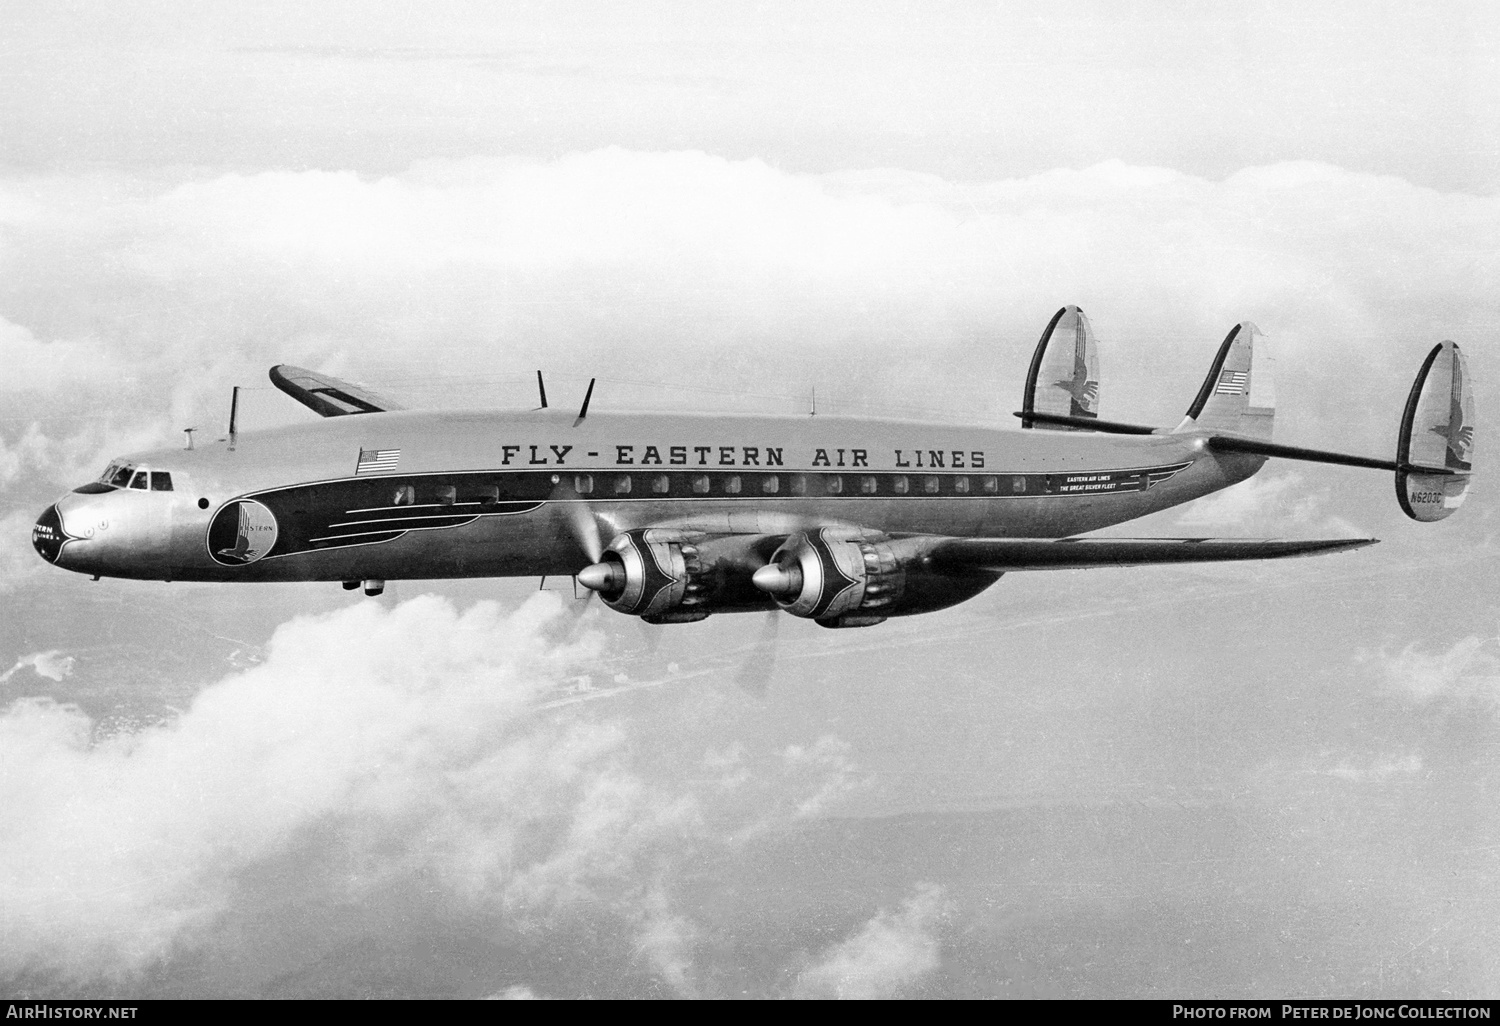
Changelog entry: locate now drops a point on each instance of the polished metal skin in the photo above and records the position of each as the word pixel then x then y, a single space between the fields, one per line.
pixel 125 532
pixel 844 521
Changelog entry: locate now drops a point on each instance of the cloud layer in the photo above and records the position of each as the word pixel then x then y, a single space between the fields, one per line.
pixel 372 748
pixel 888 956
pixel 52 665
pixel 130 307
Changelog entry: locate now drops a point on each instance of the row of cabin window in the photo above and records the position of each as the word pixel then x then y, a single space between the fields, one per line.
pixel 736 484
pixel 832 484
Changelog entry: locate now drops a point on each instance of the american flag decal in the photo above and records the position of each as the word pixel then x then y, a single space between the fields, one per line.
pixel 377 461
pixel 1232 383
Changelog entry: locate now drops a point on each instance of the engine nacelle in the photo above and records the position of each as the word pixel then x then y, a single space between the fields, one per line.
pixel 653 574
pixel 838 577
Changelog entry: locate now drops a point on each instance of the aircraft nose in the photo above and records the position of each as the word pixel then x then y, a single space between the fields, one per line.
pixel 47 536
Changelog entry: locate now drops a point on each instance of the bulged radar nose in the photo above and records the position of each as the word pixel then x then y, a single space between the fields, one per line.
pixel 602 577
pixel 774 580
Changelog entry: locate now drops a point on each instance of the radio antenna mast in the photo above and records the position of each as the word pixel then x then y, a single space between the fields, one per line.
pixel 234 413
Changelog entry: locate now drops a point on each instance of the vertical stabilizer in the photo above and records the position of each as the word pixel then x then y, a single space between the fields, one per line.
pixel 1437 430
pixel 1064 375
pixel 1239 393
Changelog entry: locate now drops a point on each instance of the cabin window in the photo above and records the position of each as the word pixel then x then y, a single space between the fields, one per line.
pixel 700 484
pixel 835 484
pixel 490 495
pixel 405 495
pixel 583 483
pixel 930 485
pixel 140 480
pixel 770 484
pixel 961 485
pixel 622 484
pixel 119 476
pixel 661 484
pixel 1018 484
pixel 161 481
pixel 867 486
pixel 447 495
pixel 990 484
pixel 900 485
pixel 732 484
pixel 799 484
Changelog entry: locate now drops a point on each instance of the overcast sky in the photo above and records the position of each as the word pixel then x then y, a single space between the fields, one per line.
pixel 1257 780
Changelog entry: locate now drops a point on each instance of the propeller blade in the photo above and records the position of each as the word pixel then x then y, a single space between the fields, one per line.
pixel 586 530
pixel 581 522
pixel 754 674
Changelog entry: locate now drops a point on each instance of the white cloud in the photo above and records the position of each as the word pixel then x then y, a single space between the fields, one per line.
pixel 27 453
pixel 890 954
pixel 666 939
pixel 691 269
pixel 1268 504
pixel 1353 767
pixel 19 563
pixel 32 365
pixel 826 759
pixel 52 665
pixel 1467 671
pixel 1376 769
pixel 371 746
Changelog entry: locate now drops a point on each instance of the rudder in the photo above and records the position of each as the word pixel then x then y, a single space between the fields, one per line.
pixel 1239 393
pixel 1437 430
pixel 1064 375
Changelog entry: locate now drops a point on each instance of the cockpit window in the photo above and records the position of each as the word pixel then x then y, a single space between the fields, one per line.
pixel 120 474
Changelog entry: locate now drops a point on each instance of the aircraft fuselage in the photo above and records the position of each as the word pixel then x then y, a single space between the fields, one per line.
pixel 403 495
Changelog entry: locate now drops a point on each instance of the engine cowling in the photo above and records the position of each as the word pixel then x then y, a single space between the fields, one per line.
pixel 654 574
pixel 838 577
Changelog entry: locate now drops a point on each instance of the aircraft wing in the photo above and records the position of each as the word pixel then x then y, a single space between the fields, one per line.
pixel 1007 554
pixel 328 396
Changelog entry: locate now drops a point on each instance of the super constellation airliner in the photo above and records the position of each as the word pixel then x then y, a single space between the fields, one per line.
pixel 671 518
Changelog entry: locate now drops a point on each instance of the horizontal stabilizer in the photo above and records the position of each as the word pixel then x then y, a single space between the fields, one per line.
pixel 1434 447
pixel 1008 554
pixel 1229 443
pixel 1063 379
pixel 327 396
pixel 1113 427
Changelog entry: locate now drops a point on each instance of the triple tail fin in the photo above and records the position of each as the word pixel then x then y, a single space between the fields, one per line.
pixel 1239 393
pixel 1434 447
pixel 1063 381
pixel 1437 432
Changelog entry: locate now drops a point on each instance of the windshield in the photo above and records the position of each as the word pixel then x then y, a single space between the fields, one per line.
pixel 120 474
pixel 117 474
